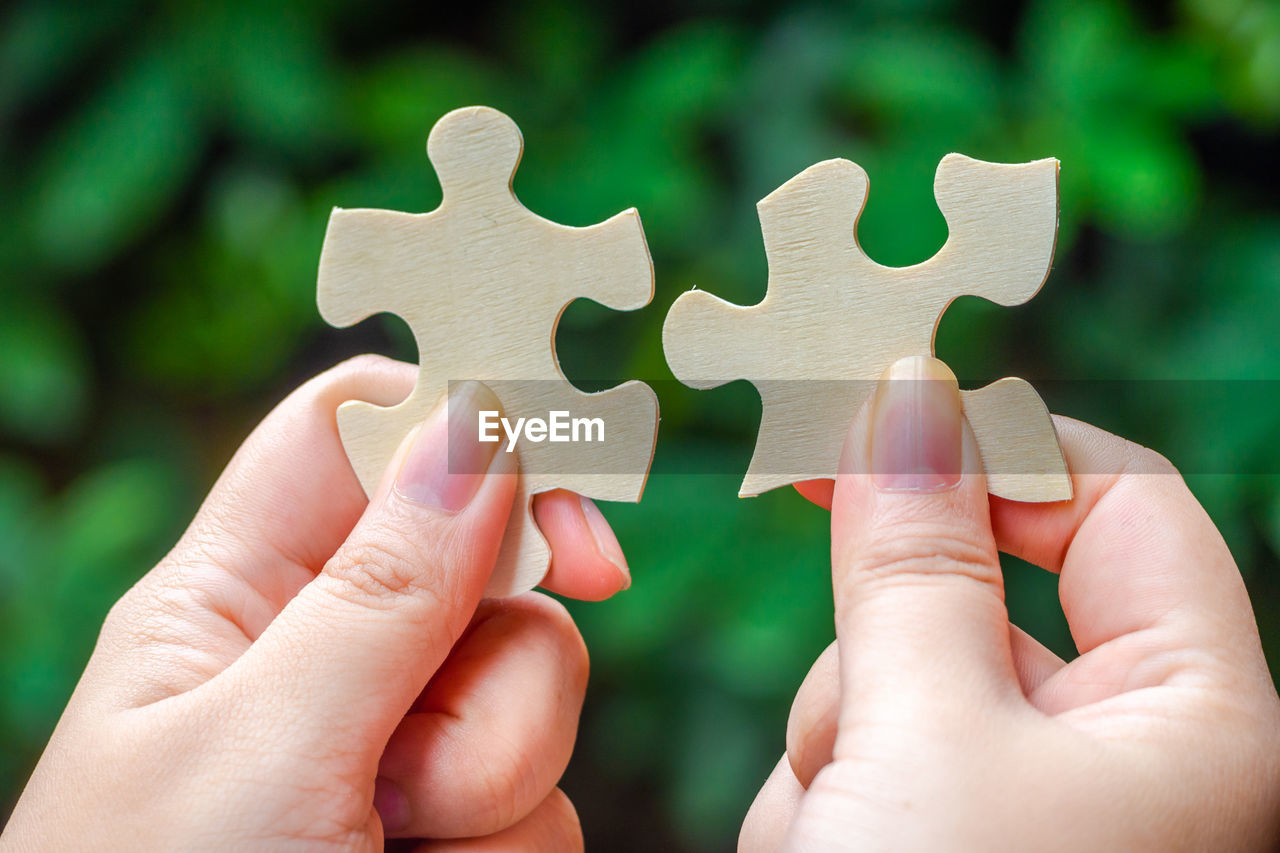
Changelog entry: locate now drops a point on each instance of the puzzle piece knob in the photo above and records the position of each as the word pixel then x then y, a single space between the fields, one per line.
pixel 475 151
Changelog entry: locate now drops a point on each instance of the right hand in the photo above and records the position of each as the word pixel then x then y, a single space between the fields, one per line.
pixel 934 724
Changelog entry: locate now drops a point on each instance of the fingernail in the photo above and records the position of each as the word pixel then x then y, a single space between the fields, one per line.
pixel 448 461
pixel 606 541
pixel 391 804
pixel 916 434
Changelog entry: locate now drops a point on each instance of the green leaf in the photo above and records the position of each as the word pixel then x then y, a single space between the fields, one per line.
pixel 107 521
pixel 395 101
pixel 932 80
pixel 116 166
pixel 278 81
pixel 21 491
pixel 44 389
pixel 41 43
pixel 1146 181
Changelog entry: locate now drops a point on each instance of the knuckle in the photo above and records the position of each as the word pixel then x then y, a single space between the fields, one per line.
pixel 121 621
pixel 383 570
pixel 159 608
pixel 911 551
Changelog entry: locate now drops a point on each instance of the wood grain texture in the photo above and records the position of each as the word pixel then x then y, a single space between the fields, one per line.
pixel 482 282
pixel 832 313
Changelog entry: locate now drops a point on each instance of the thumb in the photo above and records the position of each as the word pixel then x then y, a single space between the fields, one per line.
pixel 919 597
pixel 357 645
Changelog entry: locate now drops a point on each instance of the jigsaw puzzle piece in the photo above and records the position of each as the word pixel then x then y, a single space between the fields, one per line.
pixel 614 469
pixel 365 270
pixel 475 152
pixel 482 282
pixel 1019 445
pixel 523 545
pixel 371 434
pixel 832 313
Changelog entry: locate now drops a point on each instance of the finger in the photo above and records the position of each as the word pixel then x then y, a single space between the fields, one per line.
pixel 552 827
pixel 493 732
pixel 765 827
pixel 1135 549
pixel 813 723
pixel 919 596
pixel 586 560
pixel 817 491
pixel 815 713
pixel 357 644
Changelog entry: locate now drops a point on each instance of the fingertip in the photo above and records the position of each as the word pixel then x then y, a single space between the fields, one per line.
pixel 818 492
pixel 586 560
pixel 391 805
pixel 814 717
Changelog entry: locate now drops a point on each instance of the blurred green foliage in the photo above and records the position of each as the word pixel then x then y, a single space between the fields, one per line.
pixel 169 169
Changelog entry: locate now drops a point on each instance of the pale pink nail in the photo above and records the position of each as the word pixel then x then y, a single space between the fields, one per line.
pixel 606 542
pixel 391 804
pixel 447 462
pixel 916 434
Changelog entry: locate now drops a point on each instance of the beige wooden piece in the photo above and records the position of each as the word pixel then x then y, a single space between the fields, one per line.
pixel 481 282
pixel 831 313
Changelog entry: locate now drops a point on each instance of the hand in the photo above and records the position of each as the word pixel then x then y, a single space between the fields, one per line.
pixel 934 724
pixel 304 655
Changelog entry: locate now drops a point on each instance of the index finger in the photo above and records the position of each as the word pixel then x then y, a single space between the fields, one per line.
pixel 1134 548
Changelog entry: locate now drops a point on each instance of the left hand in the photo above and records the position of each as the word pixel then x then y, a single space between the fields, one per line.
pixel 311 668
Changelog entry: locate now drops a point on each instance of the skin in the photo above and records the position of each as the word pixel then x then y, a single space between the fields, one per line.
pixel 308 668
pixel 932 723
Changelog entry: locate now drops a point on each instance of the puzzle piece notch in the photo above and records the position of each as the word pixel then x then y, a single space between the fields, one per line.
pixel 496 277
pixel 832 313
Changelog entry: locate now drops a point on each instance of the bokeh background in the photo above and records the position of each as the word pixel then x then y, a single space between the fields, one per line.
pixel 167 173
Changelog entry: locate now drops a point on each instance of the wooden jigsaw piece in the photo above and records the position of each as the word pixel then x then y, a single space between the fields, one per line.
pixel 832 313
pixel 481 282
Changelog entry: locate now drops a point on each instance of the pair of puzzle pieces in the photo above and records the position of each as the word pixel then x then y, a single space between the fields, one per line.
pixel 482 282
